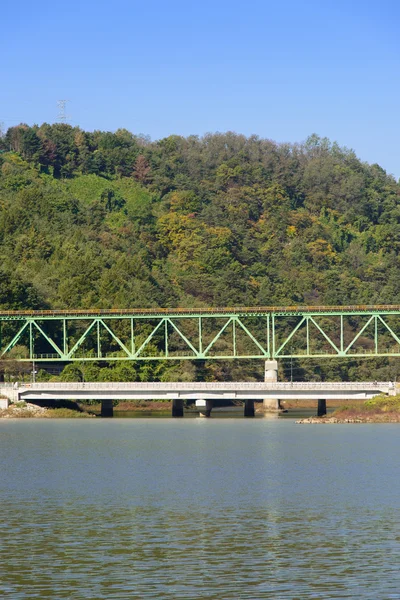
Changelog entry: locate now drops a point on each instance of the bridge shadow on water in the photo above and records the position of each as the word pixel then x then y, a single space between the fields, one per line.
pixel 224 409
pixel 53 403
pixel 228 412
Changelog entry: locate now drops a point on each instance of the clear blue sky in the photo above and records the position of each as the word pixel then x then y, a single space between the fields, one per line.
pixel 282 70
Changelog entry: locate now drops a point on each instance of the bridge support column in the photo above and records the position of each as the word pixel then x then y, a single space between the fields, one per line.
pixel 321 411
pixel 271 371
pixel 271 376
pixel 272 405
pixel 249 408
pixel 204 407
pixel 107 408
pixel 177 407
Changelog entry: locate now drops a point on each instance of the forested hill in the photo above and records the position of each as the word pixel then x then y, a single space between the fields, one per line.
pixel 99 219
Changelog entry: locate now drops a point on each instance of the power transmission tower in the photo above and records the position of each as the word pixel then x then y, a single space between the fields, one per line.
pixel 62 116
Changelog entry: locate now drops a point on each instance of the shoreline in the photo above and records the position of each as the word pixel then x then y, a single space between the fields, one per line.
pixel 332 420
pixel 356 412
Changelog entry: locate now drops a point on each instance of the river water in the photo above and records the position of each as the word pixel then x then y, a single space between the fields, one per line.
pixel 198 508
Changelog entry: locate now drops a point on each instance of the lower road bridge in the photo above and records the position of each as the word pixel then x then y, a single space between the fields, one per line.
pixel 203 393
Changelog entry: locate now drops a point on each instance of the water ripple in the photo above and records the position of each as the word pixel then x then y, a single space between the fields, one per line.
pixel 218 512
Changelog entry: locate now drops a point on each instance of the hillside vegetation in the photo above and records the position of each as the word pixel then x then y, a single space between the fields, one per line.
pixel 102 220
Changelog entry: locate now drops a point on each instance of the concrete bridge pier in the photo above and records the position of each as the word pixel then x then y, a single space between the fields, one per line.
pixel 204 407
pixel 177 407
pixel 107 409
pixel 271 376
pixel 249 408
pixel 321 410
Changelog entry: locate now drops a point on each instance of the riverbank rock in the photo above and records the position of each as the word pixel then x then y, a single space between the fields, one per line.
pixel 23 409
pixel 380 417
pixel 327 420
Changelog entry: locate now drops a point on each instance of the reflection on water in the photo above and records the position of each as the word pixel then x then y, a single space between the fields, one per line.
pixel 230 412
pixel 198 508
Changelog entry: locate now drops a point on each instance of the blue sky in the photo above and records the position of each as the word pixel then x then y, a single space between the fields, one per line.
pixel 281 70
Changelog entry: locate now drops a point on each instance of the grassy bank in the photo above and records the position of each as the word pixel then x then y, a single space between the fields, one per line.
pixel 25 410
pixel 380 409
pixel 130 406
pixel 312 404
pixel 74 410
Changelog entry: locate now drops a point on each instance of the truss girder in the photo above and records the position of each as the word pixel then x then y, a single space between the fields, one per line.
pixel 191 336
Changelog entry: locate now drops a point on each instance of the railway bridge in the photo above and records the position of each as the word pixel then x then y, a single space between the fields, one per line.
pixel 268 333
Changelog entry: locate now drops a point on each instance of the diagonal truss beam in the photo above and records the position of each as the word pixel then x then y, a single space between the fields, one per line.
pixel 51 342
pixel 81 339
pixel 390 330
pixel 147 340
pixel 251 336
pixel 358 334
pixel 119 342
pixel 185 339
pixel 299 324
pixel 218 335
pixel 328 339
pixel 15 339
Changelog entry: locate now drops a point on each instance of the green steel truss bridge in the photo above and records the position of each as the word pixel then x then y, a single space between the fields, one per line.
pixel 200 334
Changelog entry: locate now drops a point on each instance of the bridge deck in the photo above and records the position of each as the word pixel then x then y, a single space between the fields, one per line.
pixel 207 390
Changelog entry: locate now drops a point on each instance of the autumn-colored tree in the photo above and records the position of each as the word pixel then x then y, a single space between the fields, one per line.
pixel 141 169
